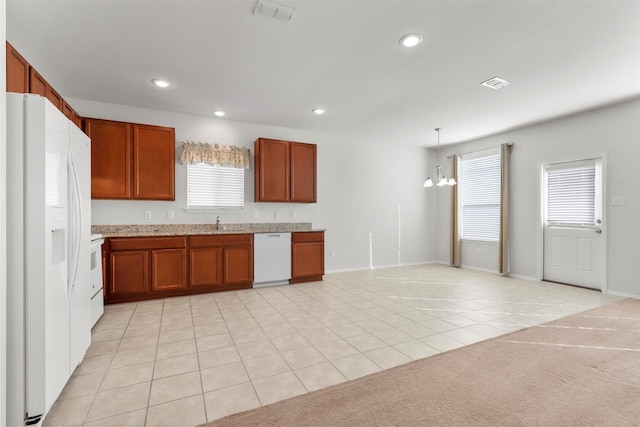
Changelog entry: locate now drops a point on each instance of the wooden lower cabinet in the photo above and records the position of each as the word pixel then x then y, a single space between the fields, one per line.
pixel 141 268
pixel 206 266
pixel 129 274
pixel 307 256
pixel 223 261
pixel 238 265
pixel 168 269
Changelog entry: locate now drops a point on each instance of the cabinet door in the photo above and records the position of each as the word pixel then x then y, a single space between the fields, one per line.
pixel 168 269
pixel 110 158
pixel 153 162
pixel 67 110
pixel 37 83
pixel 17 71
pixel 272 175
pixel 55 98
pixel 307 259
pixel 76 119
pixel 129 273
pixel 303 172
pixel 205 266
pixel 238 265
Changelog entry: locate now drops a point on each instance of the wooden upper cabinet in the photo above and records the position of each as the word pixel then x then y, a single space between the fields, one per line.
pixel 17 71
pixel 55 99
pixel 272 175
pixel 110 158
pixel 39 86
pixel 23 78
pixel 67 111
pixel 285 171
pixel 153 162
pixel 131 161
pixel 37 83
pixel 303 172
pixel 76 119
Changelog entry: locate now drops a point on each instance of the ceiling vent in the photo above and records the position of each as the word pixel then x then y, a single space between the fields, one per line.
pixel 274 10
pixel 495 83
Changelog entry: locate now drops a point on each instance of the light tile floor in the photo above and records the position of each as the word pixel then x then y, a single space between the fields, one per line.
pixel 189 360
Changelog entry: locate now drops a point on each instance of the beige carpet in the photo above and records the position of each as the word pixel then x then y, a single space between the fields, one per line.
pixel 582 370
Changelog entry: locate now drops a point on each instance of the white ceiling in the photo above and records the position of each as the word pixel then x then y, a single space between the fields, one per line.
pixel 560 57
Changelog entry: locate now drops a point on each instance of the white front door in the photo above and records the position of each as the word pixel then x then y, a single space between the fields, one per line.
pixel 573 235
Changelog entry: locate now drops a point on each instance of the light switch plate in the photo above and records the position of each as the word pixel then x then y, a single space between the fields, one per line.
pixel 256 214
pixel 171 214
pixel 147 214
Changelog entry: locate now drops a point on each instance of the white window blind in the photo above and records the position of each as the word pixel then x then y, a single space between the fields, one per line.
pixel 480 196
pixel 215 186
pixel 571 195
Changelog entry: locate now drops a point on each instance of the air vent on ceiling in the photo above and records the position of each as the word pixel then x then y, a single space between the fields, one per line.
pixel 274 10
pixel 495 83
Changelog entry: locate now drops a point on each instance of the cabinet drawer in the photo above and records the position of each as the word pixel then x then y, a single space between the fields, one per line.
pixel 311 236
pixel 124 244
pixel 220 240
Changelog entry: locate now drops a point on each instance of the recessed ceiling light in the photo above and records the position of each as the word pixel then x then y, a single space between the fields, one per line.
pixel 411 40
pixel 161 83
pixel 318 110
pixel 219 113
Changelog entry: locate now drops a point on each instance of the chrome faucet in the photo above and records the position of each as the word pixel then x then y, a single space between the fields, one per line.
pixel 218 223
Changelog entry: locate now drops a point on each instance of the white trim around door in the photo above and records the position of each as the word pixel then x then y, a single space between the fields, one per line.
pixel 573 251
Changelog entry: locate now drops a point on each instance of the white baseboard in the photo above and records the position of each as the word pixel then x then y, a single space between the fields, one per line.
pixel 622 294
pixel 378 267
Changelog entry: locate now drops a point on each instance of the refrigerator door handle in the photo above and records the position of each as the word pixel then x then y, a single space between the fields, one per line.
pixel 77 226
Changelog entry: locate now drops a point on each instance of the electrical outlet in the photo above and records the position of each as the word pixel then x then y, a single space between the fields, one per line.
pixel 332 253
pixel 171 214
pixel 276 214
pixel 294 214
pixel 147 214
pixel 256 214
pixel 617 200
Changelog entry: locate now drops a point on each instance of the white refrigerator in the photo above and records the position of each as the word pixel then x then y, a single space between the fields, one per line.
pixel 48 249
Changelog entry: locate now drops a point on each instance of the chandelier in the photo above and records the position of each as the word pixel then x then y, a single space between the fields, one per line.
pixel 439 178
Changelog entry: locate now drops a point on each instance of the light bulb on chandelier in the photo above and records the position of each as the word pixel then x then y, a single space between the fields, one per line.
pixel 440 179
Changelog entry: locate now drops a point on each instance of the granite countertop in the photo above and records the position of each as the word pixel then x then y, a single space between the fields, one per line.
pixel 150 230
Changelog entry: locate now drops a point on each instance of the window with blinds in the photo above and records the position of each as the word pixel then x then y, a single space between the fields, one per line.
pixel 214 187
pixel 480 197
pixel 571 195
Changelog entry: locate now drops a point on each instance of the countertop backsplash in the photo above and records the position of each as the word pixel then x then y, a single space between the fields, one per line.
pixel 138 230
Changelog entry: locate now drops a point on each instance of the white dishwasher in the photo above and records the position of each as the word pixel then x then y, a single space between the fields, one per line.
pixel 271 259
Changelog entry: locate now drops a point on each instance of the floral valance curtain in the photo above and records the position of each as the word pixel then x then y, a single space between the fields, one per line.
pixel 215 154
